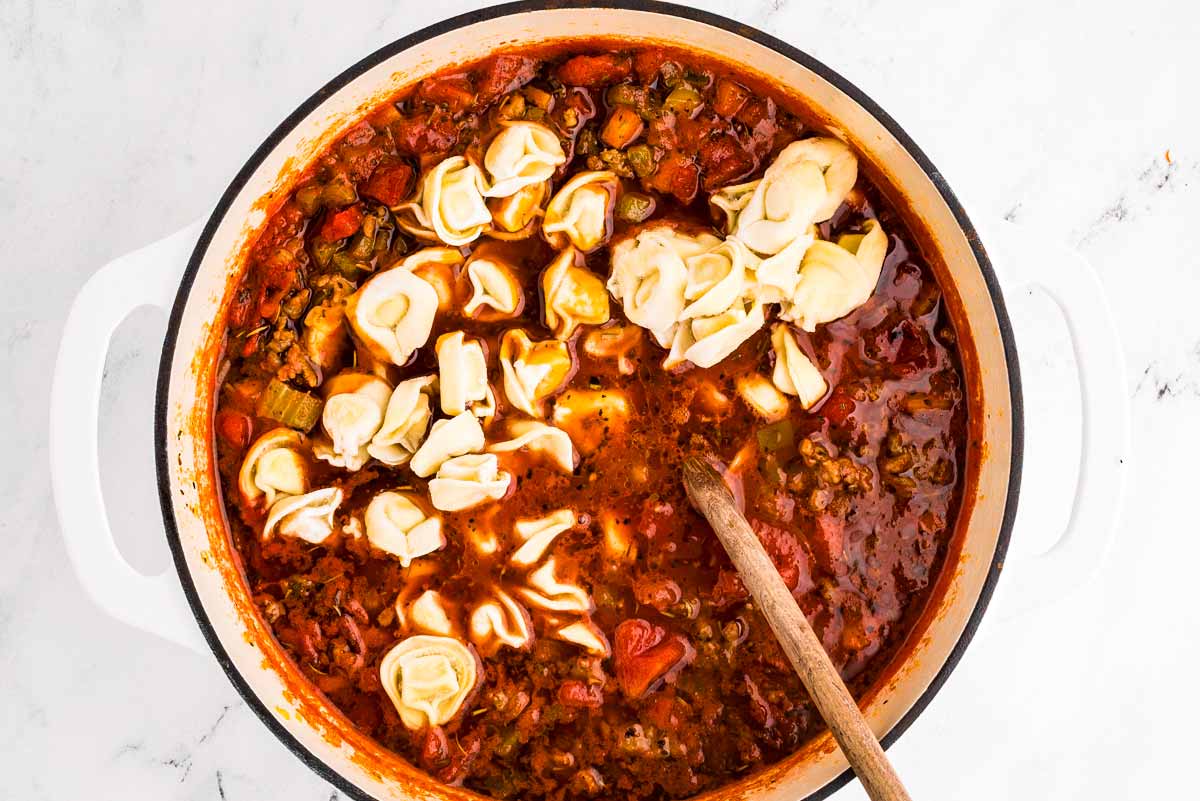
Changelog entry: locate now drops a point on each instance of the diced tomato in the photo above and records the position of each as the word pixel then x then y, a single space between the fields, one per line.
pixel 645 654
pixel 783 545
pixel 341 224
pixel 838 407
pixel 729 589
pixel 723 160
pixel 500 75
pixel 657 518
pixel 826 544
pixel 760 710
pixel 575 693
pixel 730 97
pixel 661 132
pixel 757 111
pixel 235 428
pixel 914 351
pixel 594 71
pixel 435 749
pixel 663 712
pixel 421 135
pixel 657 590
pixel 453 91
pixel 359 135
pixel 390 184
pixel 677 175
pixel 646 63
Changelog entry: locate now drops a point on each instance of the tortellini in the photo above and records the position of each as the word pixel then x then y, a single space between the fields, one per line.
pixel 805 184
pixel 397 524
pixel 428 615
pixel 273 467
pixel 522 154
pixel 428 678
pixel 794 373
pixel 352 415
pixel 704 341
pixel 447 438
pixel 515 216
pixel 538 535
pixel 540 438
pixel 649 276
pixel 450 206
pixel 308 517
pixel 580 213
pixel 392 314
pixel 532 370
pixel 405 421
pixel 835 279
pixel 545 591
pixel 590 415
pixel 498 621
pixel 495 290
pixel 762 396
pixel 573 295
pixel 463 482
pixel 462 372
pixel 438 268
pixel 586 635
pixel 717 279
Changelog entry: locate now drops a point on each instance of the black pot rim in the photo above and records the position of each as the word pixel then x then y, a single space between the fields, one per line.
pixel 414 39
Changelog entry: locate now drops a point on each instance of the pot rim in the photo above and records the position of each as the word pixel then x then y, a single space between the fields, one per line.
pixel 162 468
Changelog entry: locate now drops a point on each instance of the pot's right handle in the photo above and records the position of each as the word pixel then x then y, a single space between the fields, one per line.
pixel 147 277
pixel 1024 257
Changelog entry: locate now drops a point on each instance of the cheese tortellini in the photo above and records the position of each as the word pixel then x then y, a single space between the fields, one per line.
pixel 498 621
pixel 405 421
pixel 794 373
pixel 538 535
pixel 580 213
pixel 274 467
pixel 495 290
pixel 392 314
pixel 447 438
pixel 522 154
pixel 762 397
pixel 462 372
pixel 573 295
pixel 836 278
pixel 515 217
pixel 428 678
pixel 397 524
pixel 545 591
pixel 466 481
pixel 540 438
pixel 532 370
pixel 704 341
pixel 308 517
pixel 450 206
pixel 437 267
pixel 352 415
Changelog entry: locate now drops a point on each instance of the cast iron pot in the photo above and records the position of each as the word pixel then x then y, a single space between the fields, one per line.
pixel 216 594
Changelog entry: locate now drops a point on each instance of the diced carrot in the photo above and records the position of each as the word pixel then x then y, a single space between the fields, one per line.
pixel 453 91
pixel 731 96
pixel 677 175
pixel 623 128
pixel 594 71
pixel 390 184
pixel 234 428
pixel 341 224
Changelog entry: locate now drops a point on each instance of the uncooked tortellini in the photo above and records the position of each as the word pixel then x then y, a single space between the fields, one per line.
pixel 352 415
pixel 580 213
pixel 573 295
pixel 462 372
pixel 392 314
pixel 835 279
pixel 495 290
pixel 521 155
pixel 463 482
pixel 274 466
pixel 649 276
pixel 307 517
pixel 795 374
pixel 451 206
pixel 428 679
pixel 532 370
pixel 405 421
pixel 539 438
pixel 397 524
pixel 447 438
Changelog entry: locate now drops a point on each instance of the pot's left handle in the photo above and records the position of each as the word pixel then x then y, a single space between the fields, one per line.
pixel 147 277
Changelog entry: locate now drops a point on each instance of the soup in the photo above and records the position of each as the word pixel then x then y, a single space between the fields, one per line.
pixel 465 361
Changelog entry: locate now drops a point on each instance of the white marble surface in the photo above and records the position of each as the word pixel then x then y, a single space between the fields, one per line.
pixel 124 121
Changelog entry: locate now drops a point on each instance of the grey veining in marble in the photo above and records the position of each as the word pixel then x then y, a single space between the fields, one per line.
pixel 123 121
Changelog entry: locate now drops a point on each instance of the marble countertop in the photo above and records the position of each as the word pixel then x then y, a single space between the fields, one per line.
pixel 125 121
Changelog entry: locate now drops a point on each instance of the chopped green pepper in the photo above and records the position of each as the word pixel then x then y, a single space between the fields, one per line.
pixel 587 144
pixel 776 437
pixel 322 251
pixel 683 100
pixel 339 192
pixel 641 158
pixel 293 408
pixel 308 198
pixel 634 207
pixel 672 75
pixel 348 266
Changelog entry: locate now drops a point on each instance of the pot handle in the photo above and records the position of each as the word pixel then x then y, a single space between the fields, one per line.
pixel 1025 257
pixel 146 277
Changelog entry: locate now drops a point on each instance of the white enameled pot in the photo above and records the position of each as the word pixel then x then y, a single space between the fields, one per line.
pixel 192 273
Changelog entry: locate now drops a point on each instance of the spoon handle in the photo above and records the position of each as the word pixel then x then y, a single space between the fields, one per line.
pixel 711 497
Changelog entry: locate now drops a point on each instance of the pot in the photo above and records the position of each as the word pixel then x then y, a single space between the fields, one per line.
pixel 216 594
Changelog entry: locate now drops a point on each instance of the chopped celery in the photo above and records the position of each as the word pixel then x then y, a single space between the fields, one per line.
pixel 641 158
pixel 308 198
pixel 634 207
pixel 293 408
pixel 339 192
pixel 776 437
pixel 322 251
pixel 683 100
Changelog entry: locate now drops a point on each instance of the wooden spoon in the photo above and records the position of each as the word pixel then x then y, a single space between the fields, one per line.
pixel 711 497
